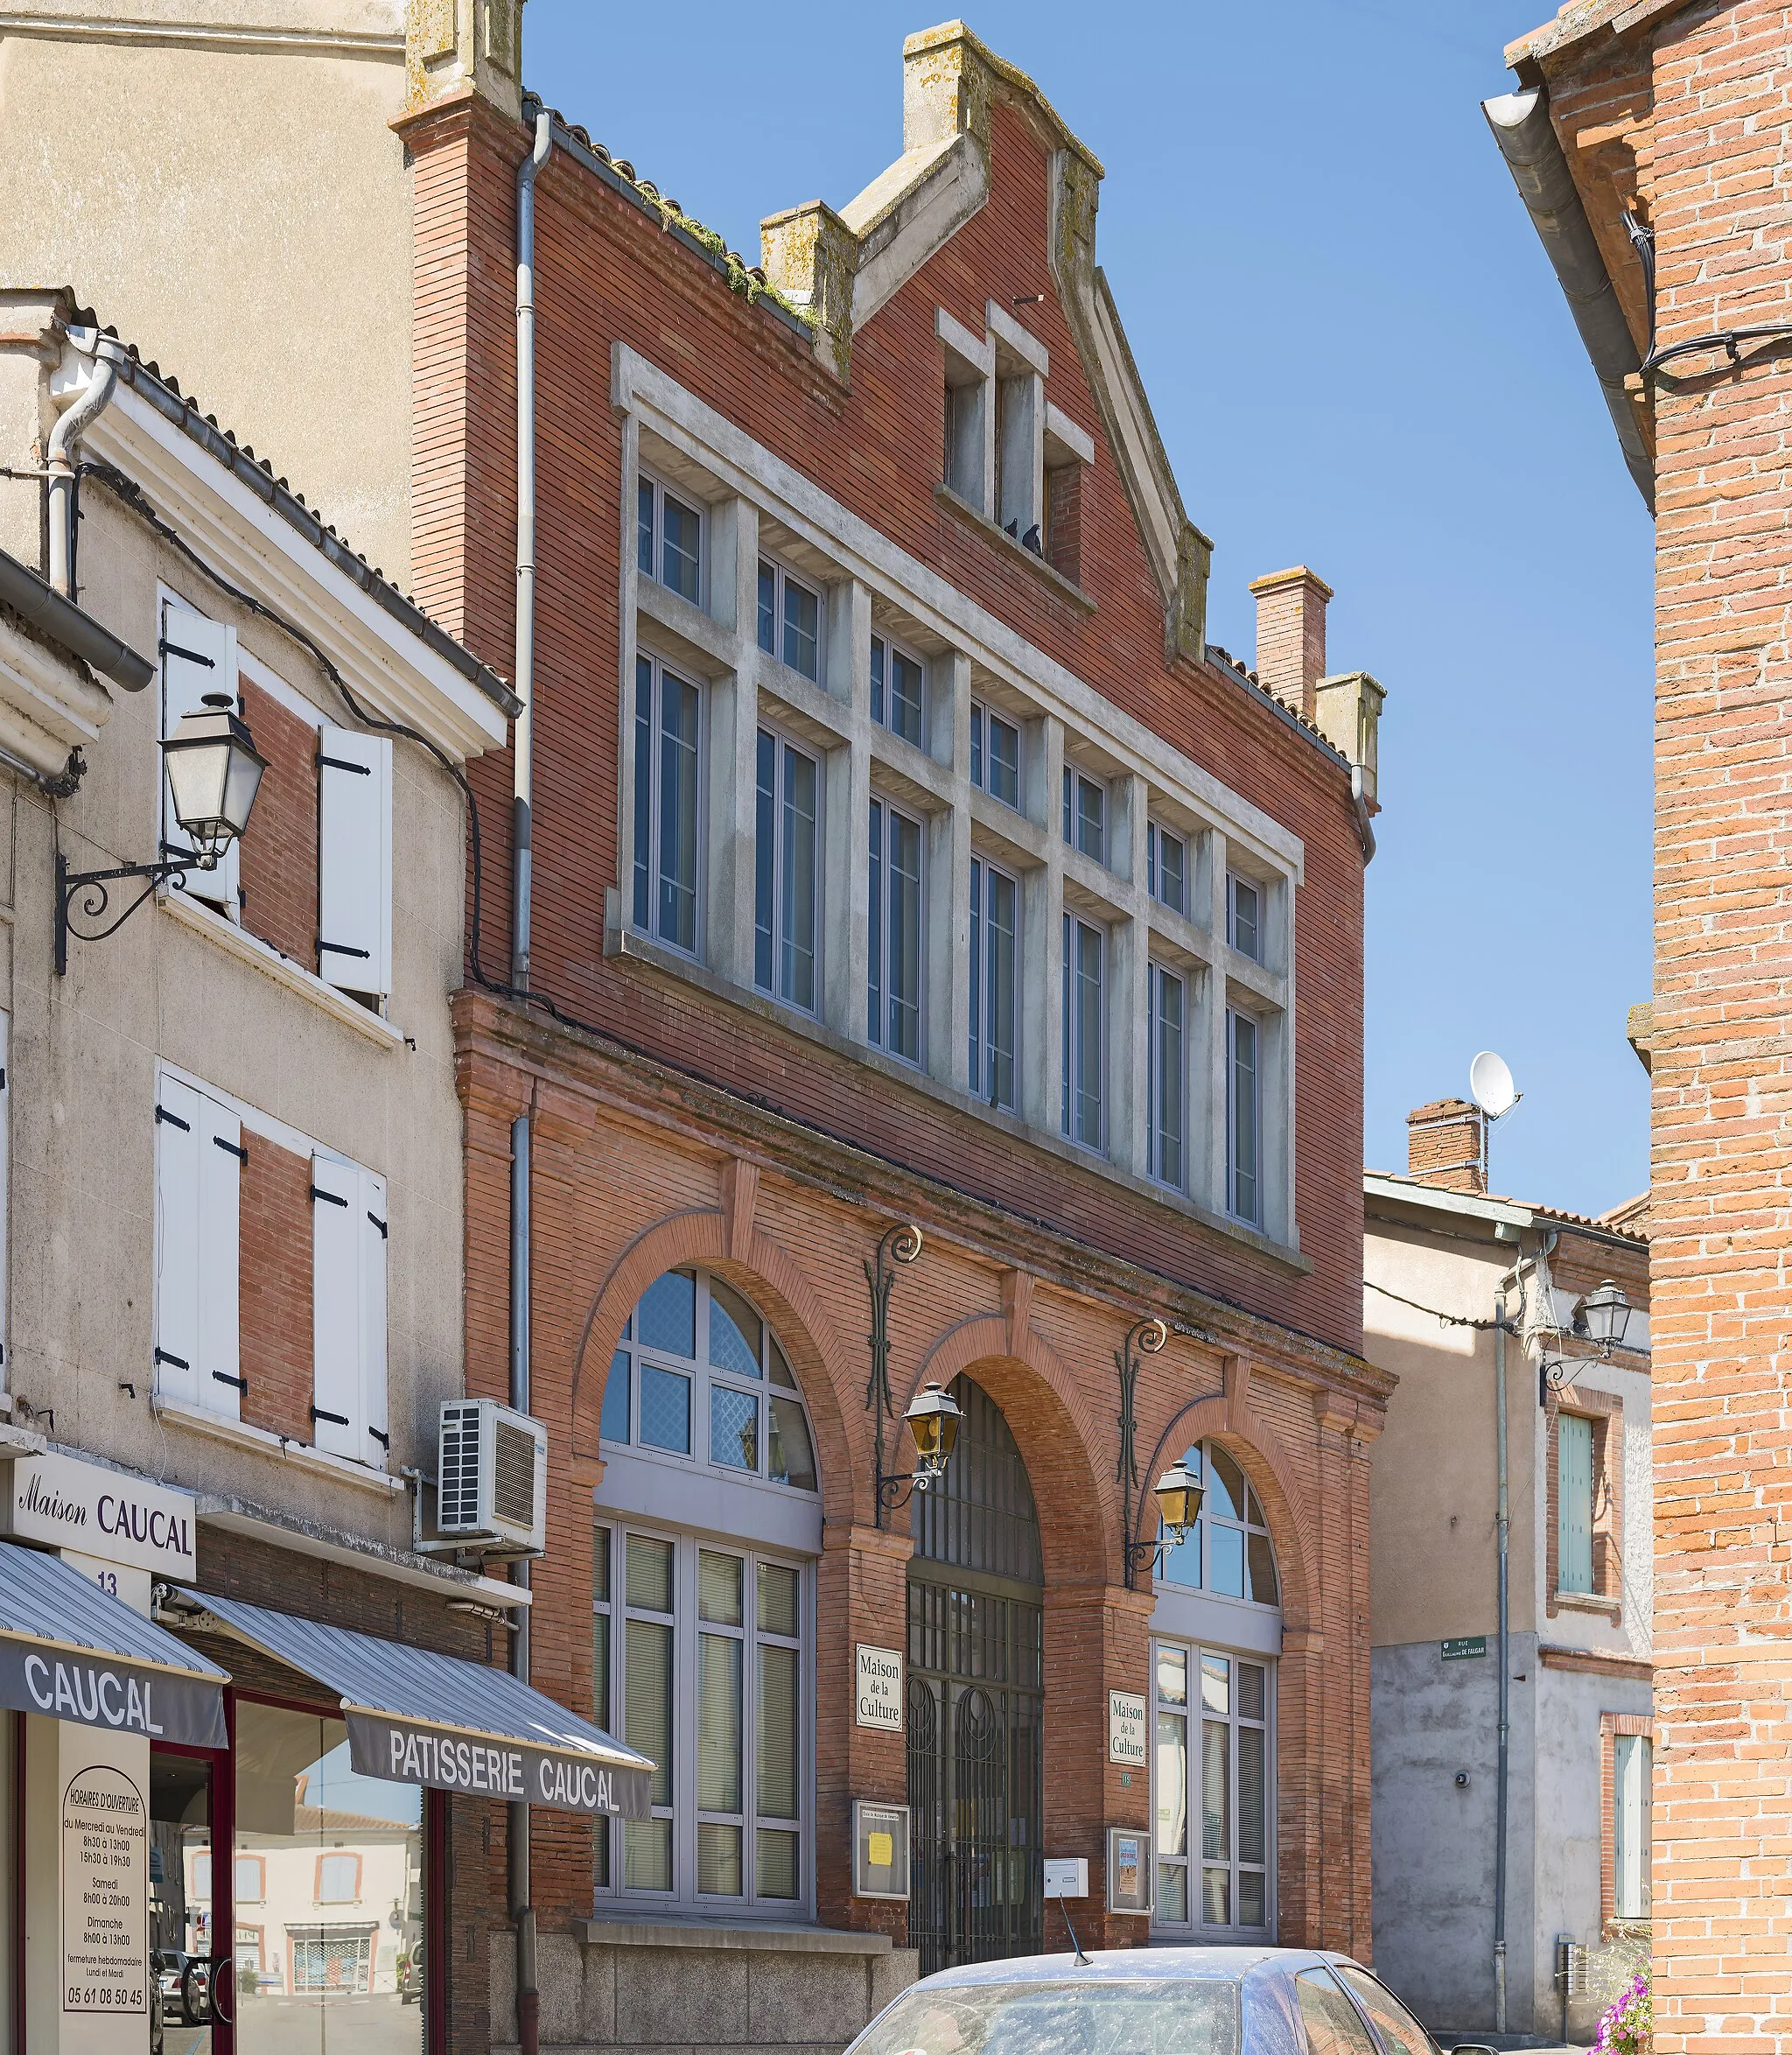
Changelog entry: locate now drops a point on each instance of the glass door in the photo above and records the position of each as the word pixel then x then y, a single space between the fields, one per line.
pixel 183 1931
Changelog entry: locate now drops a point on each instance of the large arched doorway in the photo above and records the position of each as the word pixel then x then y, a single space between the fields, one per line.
pixel 976 1700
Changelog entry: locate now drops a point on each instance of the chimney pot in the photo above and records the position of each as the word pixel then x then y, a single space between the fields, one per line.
pixel 1290 635
pixel 1445 1146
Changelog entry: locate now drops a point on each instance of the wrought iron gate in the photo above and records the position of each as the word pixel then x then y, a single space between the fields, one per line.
pixel 975 1703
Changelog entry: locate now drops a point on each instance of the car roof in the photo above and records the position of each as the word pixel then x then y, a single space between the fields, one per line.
pixel 1230 1965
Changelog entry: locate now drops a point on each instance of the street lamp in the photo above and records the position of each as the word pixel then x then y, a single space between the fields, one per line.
pixel 1179 1493
pixel 215 771
pixel 932 1420
pixel 1607 1313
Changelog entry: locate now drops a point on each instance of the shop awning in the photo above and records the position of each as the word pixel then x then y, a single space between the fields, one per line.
pixel 418 1718
pixel 72 1651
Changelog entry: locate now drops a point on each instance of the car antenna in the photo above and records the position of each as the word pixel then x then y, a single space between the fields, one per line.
pixel 1081 1961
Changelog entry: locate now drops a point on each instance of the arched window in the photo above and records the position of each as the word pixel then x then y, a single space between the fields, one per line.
pixel 1228 1551
pixel 703 1606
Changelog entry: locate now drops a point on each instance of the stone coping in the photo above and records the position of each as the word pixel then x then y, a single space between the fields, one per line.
pixel 707 1933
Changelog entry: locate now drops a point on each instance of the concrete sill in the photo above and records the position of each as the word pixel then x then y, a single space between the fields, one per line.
pixel 300 1454
pixel 704 1933
pixel 992 532
pixel 1588 1602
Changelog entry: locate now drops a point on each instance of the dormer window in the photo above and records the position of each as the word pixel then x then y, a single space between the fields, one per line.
pixel 669 540
pixel 897 683
pixel 790 620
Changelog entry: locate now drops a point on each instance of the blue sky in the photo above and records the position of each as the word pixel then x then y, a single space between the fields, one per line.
pixel 1359 360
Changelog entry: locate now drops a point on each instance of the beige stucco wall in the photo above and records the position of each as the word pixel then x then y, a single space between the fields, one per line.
pixel 83 1063
pixel 225 190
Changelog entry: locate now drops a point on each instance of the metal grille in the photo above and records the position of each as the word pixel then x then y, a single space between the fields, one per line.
pixel 976 1702
pixel 512 1475
pixel 457 1490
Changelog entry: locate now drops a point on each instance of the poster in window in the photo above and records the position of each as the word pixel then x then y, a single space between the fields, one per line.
pixel 105 1894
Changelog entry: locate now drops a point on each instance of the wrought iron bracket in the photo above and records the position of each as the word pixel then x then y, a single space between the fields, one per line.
pixel 900 1245
pixel 1143 1337
pixel 98 900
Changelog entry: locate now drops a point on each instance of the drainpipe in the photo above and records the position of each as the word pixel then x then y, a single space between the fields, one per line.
pixel 529 1997
pixel 59 461
pixel 1503 1520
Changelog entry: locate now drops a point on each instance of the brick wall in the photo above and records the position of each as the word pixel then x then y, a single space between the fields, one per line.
pixel 279 861
pixel 273 1289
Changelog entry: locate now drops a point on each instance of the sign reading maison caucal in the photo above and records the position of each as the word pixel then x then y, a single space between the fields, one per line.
pixel 100 1511
pixel 401 1752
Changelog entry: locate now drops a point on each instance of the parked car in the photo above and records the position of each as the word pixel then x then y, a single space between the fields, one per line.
pixel 1152 2001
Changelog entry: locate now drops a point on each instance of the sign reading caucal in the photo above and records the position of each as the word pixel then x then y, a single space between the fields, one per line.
pixel 103 1513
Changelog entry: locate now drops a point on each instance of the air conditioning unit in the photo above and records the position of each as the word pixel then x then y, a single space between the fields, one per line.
pixel 492 1477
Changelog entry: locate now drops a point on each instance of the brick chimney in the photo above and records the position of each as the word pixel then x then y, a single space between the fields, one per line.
pixel 1290 635
pixel 1444 1146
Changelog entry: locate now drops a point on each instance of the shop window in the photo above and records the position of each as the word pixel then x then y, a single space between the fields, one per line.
pixel 705 1659
pixel 790 620
pixel 1084 1032
pixel 787 878
pixel 670 539
pixel 995 970
pixel 1228 1551
pixel 667 717
pixel 893 998
pixel 1211 1776
pixel 699 1376
pixel 995 755
pixel 899 688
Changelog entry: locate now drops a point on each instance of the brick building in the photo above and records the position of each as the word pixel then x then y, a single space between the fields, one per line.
pixel 1651 144
pixel 899 855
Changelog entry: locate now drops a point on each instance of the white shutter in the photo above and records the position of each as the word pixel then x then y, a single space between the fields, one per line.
pixel 179 1131
pixel 5 1181
pixel 355 860
pixel 220 1159
pixel 337 1234
pixel 375 1444
pixel 197 657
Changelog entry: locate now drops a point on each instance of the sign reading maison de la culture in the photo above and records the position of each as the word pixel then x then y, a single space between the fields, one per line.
pixel 103 1513
pixel 1126 1727
pixel 877 1700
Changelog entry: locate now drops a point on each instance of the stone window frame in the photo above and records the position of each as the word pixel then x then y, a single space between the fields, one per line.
pixel 1611 1725
pixel 1604 1410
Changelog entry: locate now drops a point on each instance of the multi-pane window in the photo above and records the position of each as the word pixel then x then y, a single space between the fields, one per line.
pixel 700 1658
pixel 898 681
pixel 1228 1550
pixel 995 935
pixel 790 620
pixel 1086 813
pixel 1167 868
pixel 668 539
pixel 1211 1779
pixel 1243 1117
pixel 1574 1495
pixel 786 871
pixel 667 711
pixel 699 1375
pixel 1244 906
pixel 1085 950
pixel 1632 1766
pixel 893 996
pixel 1169 1077
pixel 995 755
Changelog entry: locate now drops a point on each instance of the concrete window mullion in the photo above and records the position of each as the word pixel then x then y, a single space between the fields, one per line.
pixel 733 738
pixel 1208 1061
pixel 846 807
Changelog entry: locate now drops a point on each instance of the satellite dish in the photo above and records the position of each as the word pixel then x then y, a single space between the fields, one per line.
pixel 1490 1085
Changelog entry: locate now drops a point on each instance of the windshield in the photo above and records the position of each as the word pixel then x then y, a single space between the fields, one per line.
pixel 1164 2016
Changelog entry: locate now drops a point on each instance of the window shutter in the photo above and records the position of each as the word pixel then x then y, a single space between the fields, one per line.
pixel 5 1150
pixel 1574 1503
pixel 197 657
pixel 178 1131
pixel 375 1442
pixel 336 1308
pixel 219 1369
pixel 355 862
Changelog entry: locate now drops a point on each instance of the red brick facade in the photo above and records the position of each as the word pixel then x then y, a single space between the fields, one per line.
pixel 673 1128
pixel 274 1304
pixel 279 853
pixel 1679 114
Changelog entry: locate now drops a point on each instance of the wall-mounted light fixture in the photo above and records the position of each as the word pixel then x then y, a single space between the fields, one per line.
pixel 215 771
pixel 932 1420
pixel 1179 1493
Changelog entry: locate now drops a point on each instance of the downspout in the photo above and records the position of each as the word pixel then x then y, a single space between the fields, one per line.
pixel 1528 141
pixel 529 1997
pixel 1503 1523
pixel 60 459
pixel 1366 834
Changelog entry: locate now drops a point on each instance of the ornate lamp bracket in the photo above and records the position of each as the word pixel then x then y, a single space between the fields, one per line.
pixel 900 1245
pixel 1143 1337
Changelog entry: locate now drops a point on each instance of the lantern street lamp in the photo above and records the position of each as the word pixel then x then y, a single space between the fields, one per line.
pixel 1607 1315
pixel 1179 1493
pixel 932 1420
pixel 215 771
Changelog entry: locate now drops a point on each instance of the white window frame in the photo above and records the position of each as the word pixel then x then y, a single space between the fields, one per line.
pixel 1155 837
pixel 773 985
pixel 1071 1033
pixel 1260 896
pixel 781 579
pixel 1258 1174
pixel 888 648
pixel 1076 777
pixel 982 869
pixel 1157 975
pixel 1193 1862
pixel 659 491
pixel 878 935
pixel 682 1810
pixel 983 719
pixel 648 823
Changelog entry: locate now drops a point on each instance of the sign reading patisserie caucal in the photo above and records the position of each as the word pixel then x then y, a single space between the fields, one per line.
pixel 493 1766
